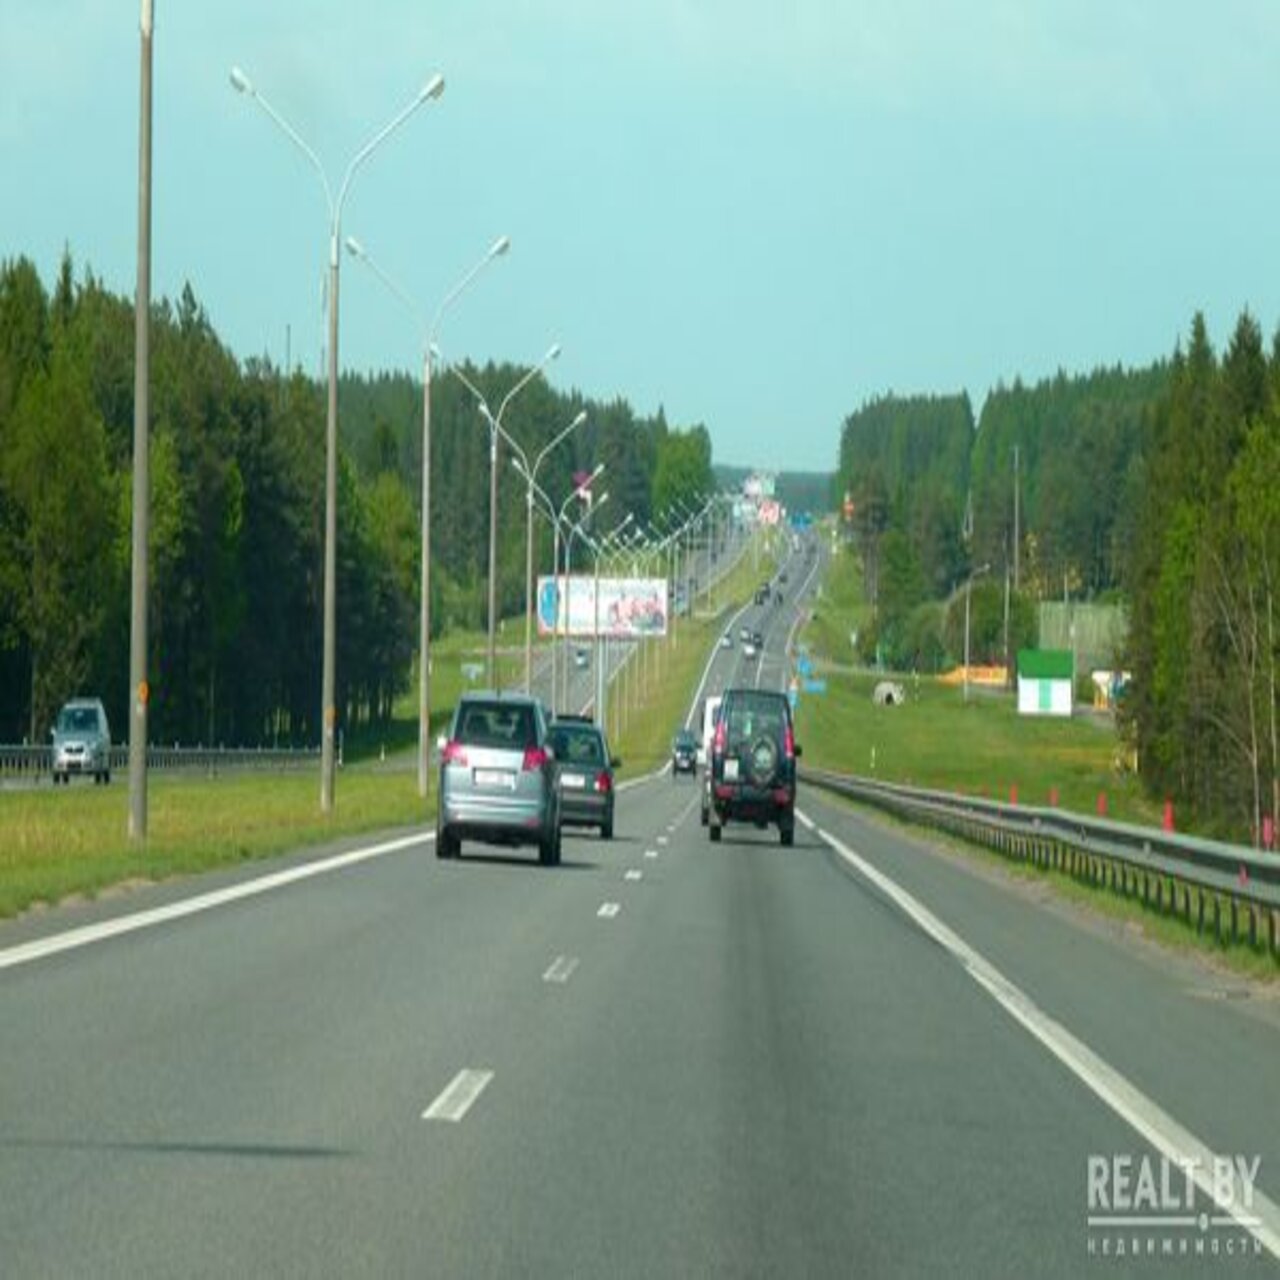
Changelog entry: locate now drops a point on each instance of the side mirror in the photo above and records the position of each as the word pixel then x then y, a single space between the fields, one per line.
pixel 615 762
pixel 799 751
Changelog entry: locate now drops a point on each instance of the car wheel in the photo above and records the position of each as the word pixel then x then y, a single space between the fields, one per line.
pixel 447 843
pixel 606 829
pixel 549 847
pixel 106 778
pixel 787 835
pixel 706 818
pixel 715 833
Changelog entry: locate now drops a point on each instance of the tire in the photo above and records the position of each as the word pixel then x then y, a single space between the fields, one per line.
pixel 715 833
pixel 706 817
pixel 549 848
pixel 447 844
pixel 106 778
pixel 787 829
pixel 606 829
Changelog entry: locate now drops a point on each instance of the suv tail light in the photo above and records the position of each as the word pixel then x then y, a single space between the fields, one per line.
pixel 534 759
pixel 789 743
pixel 721 738
pixel 604 783
pixel 454 753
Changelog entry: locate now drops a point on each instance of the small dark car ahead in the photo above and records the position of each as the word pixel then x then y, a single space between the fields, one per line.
pixel 684 753
pixel 753 763
pixel 586 774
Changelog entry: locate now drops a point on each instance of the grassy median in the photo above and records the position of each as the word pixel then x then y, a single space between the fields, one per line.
pixel 70 841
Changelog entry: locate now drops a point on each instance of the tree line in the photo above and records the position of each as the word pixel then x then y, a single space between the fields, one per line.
pixel 237 505
pixel 1157 488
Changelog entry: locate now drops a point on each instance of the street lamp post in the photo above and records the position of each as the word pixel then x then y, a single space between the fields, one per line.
pixel 431 90
pixel 578 530
pixel 601 657
pixel 495 430
pixel 968 591
pixel 531 475
pixel 429 332
pixel 558 521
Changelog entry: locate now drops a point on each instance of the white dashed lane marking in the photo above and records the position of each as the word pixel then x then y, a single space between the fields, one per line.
pixel 459 1095
pixel 561 969
pixel 633 874
pixel 608 910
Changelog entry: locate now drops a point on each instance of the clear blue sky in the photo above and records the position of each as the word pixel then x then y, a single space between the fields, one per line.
pixel 755 214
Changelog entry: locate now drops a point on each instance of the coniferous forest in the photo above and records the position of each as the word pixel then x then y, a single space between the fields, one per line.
pixel 237 468
pixel 1157 489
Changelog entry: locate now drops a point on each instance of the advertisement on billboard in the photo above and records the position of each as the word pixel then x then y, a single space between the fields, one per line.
pixel 630 608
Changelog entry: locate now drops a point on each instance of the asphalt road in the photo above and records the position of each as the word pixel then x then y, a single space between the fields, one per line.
pixel 757 1061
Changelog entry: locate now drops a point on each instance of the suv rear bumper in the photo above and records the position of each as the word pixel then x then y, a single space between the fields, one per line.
pixel 743 803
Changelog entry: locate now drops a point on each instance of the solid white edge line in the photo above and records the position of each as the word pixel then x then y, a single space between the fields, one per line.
pixel 41 948
pixel 459 1095
pixel 1159 1128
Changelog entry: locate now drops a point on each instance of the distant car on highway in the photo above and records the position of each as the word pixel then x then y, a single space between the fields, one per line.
pixel 582 657
pixel 684 753
pixel 753 763
pixel 586 771
pixel 726 640
pixel 82 742
pixel 498 777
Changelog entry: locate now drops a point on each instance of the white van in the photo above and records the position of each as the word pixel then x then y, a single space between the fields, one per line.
pixel 710 706
pixel 710 709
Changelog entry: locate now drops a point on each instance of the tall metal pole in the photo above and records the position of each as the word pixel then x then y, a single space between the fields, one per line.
pixel 139 693
pixel 1017 534
pixel 424 619
pixel 493 555
pixel 328 703
pixel 528 578
pixel 555 625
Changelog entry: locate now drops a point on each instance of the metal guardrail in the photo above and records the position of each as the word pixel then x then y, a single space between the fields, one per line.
pixel 34 762
pixel 1231 889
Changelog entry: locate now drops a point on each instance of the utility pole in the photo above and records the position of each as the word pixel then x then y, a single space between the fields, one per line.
pixel 1017 533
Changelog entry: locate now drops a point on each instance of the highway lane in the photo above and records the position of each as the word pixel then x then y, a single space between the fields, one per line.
pixel 758 1065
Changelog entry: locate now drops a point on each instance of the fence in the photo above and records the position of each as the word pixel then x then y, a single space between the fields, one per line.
pixel 1229 888
pixel 32 763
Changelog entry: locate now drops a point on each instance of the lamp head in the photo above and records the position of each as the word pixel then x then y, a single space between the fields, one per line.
pixel 580 419
pixel 433 88
pixel 355 248
pixel 500 246
pixel 552 354
pixel 240 82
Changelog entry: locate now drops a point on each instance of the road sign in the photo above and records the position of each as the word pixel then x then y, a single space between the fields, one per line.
pixel 815 686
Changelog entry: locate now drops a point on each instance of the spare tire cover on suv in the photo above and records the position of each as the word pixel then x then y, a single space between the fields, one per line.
pixel 762 761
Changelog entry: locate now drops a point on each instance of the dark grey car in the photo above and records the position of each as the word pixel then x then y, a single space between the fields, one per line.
pixel 498 777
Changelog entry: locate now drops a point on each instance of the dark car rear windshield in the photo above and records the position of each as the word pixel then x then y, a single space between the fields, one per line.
pixel 752 714
pixel 577 746
pixel 497 725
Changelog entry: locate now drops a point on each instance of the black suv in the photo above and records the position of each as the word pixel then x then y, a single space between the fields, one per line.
pixel 753 763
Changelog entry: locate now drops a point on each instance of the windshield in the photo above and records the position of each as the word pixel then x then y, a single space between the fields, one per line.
pixel 497 725
pixel 577 746
pixel 78 720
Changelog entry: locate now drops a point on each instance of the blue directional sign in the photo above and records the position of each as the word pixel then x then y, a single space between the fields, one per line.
pixel 815 686
pixel 804 665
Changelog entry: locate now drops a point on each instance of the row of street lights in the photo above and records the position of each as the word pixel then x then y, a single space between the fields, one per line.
pixel 429 332
pixel 430 91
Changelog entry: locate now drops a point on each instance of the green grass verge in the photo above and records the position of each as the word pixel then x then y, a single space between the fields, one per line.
pixel 56 843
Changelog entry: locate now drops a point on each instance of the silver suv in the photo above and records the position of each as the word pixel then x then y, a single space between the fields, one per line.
pixel 498 779
pixel 82 741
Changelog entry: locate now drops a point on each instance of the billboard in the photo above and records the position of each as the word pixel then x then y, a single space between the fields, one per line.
pixel 630 608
